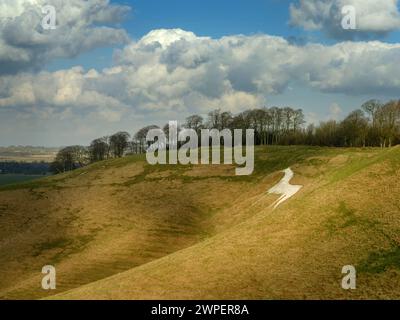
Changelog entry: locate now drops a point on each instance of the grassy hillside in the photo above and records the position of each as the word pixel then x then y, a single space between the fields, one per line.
pixel 125 229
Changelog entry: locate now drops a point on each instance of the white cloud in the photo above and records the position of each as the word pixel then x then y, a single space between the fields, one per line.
pixel 25 45
pixel 60 94
pixel 373 17
pixel 169 74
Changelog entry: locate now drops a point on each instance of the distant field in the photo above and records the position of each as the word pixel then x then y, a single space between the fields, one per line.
pixel 27 154
pixel 15 178
pixel 28 158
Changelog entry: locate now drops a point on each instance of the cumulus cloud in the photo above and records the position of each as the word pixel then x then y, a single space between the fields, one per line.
pixel 60 94
pixel 170 73
pixel 81 26
pixel 259 65
pixel 373 17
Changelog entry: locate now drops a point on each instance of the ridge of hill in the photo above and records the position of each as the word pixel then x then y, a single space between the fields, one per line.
pixel 122 229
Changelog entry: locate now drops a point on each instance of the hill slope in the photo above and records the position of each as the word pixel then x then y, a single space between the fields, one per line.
pixel 124 229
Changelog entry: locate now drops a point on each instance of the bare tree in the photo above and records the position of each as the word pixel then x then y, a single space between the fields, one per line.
pixel 214 119
pixel 70 158
pixel 119 143
pixel 140 138
pixel 355 128
pixel 371 107
pixel 298 119
pixel 194 122
pixel 99 149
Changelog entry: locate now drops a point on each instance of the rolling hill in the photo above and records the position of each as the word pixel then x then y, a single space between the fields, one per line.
pixel 122 229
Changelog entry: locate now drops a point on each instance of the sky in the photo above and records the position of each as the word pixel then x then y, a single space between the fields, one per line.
pixel 119 65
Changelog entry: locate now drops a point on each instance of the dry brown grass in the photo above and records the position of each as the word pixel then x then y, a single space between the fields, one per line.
pixel 92 225
pixel 185 233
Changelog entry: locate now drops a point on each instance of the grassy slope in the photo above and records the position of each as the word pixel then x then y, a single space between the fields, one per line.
pixel 123 229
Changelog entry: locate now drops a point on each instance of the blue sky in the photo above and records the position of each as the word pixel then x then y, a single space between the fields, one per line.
pixel 226 17
pixel 322 69
pixel 211 18
pixel 206 18
pixel 230 17
pixel 217 18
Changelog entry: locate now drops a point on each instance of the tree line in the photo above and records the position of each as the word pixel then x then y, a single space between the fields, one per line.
pixel 375 124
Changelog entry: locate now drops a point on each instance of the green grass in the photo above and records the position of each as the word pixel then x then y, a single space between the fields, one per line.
pixel 347 217
pixel 57 243
pixel 63 246
pixel 274 158
pixel 268 159
pixel 380 261
pixel 357 163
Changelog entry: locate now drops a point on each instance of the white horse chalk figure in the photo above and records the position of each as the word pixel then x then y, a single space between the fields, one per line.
pixel 284 188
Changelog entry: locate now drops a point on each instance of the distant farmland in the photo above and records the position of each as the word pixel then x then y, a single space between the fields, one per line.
pixel 27 154
pixel 21 164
